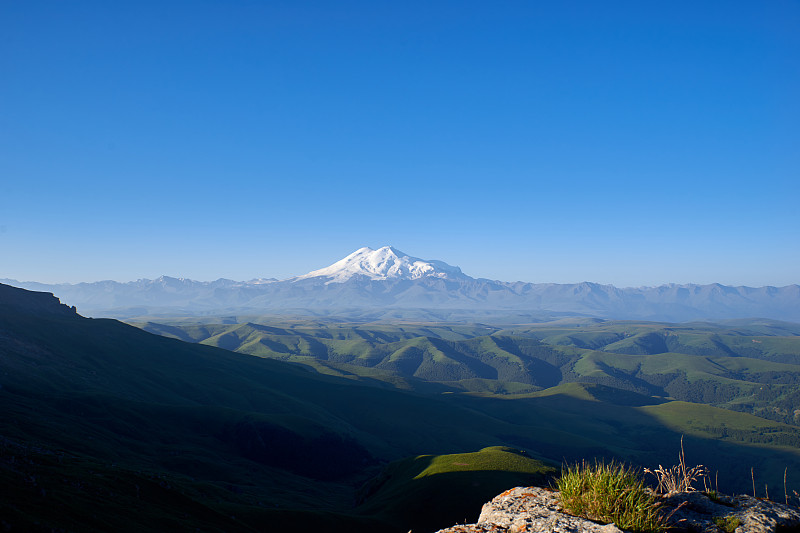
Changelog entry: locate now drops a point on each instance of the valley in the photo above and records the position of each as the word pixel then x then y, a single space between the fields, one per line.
pixel 362 426
pixel 751 367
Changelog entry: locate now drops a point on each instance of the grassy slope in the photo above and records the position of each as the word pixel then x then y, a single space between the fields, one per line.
pixel 420 490
pixel 274 433
pixel 575 421
pixel 96 408
pixel 735 367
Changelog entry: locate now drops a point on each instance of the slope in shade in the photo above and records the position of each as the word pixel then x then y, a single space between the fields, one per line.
pixel 109 428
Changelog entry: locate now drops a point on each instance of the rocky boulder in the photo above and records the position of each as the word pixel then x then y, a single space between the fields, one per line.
pixel 697 512
pixel 537 510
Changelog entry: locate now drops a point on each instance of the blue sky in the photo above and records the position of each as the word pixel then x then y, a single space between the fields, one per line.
pixel 633 143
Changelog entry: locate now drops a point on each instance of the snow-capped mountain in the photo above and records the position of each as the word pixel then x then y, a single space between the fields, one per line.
pixel 388 283
pixel 382 264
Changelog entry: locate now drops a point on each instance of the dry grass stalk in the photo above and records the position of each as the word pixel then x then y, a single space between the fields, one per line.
pixel 785 494
pixel 678 478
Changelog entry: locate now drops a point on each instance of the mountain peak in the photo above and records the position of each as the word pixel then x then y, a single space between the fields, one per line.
pixel 384 263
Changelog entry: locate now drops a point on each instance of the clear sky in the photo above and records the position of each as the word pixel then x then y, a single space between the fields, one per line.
pixel 633 143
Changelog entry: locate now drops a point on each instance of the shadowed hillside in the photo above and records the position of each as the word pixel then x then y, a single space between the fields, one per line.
pixel 107 427
pixel 751 368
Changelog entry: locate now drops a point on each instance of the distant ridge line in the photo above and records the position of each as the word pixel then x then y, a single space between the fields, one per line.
pixel 387 279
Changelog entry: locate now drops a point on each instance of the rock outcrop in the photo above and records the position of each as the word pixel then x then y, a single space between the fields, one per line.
pixel 16 301
pixel 537 510
pixel 697 512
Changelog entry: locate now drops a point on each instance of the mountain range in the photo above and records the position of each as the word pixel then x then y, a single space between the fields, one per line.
pixel 389 284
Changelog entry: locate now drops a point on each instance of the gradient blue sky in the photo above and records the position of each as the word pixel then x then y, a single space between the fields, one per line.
pixel 633 143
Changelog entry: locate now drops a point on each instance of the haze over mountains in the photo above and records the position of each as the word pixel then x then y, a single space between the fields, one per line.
pixel 387 283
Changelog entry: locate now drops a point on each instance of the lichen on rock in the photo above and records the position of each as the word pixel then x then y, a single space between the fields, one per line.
pixel 532 510
pixel 537 510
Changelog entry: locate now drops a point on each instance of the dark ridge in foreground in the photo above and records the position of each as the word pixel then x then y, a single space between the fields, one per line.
pixel 21 301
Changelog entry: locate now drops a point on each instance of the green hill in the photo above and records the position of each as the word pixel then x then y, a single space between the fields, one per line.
pixel 108 427
pixel 735 367
pixel 420 490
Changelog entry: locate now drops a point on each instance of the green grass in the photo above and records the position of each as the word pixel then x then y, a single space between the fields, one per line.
pixel 430 492
pixel 703 363
pixel 261 439
pixel 728 524
pixel 610 492
pixel 494 458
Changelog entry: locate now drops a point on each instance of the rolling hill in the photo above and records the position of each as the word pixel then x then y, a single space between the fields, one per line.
pixel 739 368
pixel 108 427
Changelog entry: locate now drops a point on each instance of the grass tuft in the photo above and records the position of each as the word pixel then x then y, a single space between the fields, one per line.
pixel 728 524
pixel 680 478
pixel 610 492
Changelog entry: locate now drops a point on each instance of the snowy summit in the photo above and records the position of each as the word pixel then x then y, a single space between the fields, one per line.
pixel 382 264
